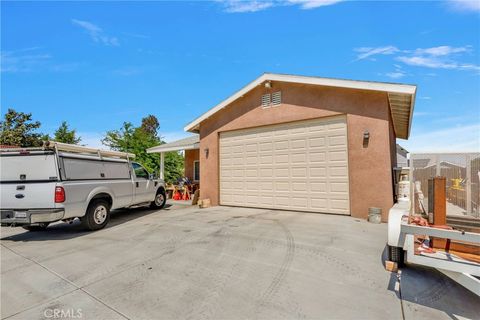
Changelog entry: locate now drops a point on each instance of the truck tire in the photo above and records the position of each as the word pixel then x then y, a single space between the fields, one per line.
pixel 396 254
pixel 97 215
pixel 160 200
pixel 37 227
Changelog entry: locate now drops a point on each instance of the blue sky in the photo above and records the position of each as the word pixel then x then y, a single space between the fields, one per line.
pixel 98 64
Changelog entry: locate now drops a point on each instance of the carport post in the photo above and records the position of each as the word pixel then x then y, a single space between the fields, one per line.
pixel 162 165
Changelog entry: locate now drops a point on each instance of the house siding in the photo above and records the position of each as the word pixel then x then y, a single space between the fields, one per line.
pixel 370 168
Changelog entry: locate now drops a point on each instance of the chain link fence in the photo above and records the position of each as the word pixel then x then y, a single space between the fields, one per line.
pixel 462 173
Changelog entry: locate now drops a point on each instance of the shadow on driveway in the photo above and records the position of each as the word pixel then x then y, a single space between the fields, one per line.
pixel 427 287
pixel 62 230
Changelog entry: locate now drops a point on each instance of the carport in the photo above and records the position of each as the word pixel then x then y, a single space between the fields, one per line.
pixel 189 146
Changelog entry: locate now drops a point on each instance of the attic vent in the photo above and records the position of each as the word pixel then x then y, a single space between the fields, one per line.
pixel 266 100
pixel 276 98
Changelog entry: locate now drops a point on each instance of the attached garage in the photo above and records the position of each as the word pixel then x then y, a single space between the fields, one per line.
pixel 300 165
pixel 305 144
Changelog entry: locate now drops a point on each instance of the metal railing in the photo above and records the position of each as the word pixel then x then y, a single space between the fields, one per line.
pixel 462 173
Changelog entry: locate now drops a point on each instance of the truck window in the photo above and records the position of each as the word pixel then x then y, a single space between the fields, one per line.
pixel 140 171
pixel 28 167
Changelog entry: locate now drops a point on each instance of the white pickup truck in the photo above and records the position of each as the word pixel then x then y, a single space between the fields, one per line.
pixel 63 182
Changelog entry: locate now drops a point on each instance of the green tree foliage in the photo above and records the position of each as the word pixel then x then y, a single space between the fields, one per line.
pixel 63 134
pixel 18 129
pixel 137 140
pixel 174 166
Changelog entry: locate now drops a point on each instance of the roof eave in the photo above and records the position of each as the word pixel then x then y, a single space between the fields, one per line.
pixel 395 88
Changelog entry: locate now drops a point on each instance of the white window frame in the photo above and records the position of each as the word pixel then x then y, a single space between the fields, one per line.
pixel 193 176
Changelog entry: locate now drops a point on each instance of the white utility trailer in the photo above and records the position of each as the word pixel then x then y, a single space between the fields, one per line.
pixel 401 243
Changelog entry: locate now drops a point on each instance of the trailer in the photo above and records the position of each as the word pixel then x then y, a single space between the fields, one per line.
pixel 401 244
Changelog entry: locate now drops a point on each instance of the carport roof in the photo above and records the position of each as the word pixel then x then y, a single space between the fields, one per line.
pixel 188 143
pixel 401 97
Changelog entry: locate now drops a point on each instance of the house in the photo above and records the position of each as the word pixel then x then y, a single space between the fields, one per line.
pixel 402 157
pixel 301 143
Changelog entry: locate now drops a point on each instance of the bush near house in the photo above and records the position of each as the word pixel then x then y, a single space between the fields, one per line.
pixel 137 140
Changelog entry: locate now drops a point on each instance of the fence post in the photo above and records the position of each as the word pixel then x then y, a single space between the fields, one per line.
pixel 468 183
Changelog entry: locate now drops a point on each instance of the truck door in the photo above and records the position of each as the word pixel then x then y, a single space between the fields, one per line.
pixel 144 187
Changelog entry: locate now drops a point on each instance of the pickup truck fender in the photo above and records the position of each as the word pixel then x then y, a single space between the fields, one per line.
pixel 100 190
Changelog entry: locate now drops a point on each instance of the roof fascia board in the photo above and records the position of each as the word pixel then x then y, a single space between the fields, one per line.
pixel 168 149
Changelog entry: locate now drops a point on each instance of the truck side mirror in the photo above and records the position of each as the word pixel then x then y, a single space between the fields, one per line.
pixel 151 176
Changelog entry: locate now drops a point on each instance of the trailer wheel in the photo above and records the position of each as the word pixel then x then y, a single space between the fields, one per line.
pixel 97 215
pixel 396 254
pixel 160 200
pixel 37 227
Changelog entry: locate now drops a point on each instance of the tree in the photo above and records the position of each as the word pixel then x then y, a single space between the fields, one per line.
pixel 63 134
pixel 137 140
pixel 174 166
pixel 18 129
pixel 150 125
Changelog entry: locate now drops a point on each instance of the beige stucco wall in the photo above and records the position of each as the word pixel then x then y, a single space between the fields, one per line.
pixel 370 168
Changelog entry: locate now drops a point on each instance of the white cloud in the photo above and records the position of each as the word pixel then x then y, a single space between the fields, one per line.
pixel 17 61
pixel 241 6
pixel 442 50
pixel 96 33
pixel 312 4
pixel 439 57
pixel 366 52
pixel 462 138
pixel 395 75
pixel 31 60
pixel 436 63
pixel 464 5
pixel 238 6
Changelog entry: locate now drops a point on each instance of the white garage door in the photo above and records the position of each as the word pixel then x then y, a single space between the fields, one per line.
pixel 295 166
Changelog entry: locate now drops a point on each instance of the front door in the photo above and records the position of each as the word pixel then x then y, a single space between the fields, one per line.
pixel 144 186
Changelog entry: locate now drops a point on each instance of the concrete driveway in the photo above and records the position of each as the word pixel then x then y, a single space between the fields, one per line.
pixel 217 263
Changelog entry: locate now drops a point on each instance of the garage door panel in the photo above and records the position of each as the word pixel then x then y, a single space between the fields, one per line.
pixel 265 159
pixel 298 144
pixel 281 173
pixel 316 142
pixel 338 187
pixel 318 171
pixel 339 204
pixel 294 166
pixel 339 140
pixel 282 186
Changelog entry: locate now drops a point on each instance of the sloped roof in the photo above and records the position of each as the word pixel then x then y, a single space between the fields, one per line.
pixel 188 143
pixel 401 97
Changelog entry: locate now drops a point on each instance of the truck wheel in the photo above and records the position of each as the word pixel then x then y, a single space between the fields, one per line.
pixel 160 199
pixel 97 215
pixel 396 254
pixel 38 227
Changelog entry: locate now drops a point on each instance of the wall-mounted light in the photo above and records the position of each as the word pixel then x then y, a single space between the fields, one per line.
pixel 366 138
pixel 206 150
pixel 366 135
pixel 268 84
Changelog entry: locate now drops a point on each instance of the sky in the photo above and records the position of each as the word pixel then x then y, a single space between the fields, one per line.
pixel 99 64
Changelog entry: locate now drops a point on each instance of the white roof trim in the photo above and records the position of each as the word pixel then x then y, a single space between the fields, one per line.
pixel 188 143
pixel 178 148
pixel 352 84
